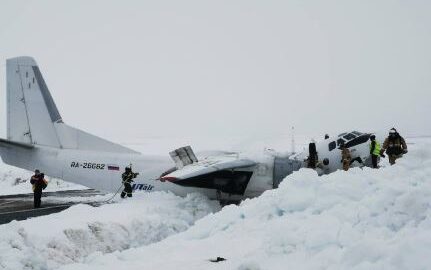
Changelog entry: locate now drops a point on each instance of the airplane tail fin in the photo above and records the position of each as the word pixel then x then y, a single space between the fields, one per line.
pixel 33 117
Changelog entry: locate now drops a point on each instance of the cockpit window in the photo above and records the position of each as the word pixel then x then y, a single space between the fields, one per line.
pixel 340 141
pixel 361 139
pixel 342 134
pixel 349 136
pixel 357 133
pixel 332 146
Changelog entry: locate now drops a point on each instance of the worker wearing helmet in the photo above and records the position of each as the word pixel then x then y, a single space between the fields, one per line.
pixel 346 157
pixel 127 178
pixel 395 146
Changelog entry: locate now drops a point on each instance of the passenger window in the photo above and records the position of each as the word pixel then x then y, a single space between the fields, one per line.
pixel 332 146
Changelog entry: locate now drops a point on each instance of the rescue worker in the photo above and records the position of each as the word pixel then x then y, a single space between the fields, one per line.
pixel 395 146
pixel 127 178
pixel 312 155
pixel 39 183
pixel 346 157
pixel 375 149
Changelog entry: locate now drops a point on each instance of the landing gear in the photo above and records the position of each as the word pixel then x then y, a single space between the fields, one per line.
pixel 218 195
pixel 225 201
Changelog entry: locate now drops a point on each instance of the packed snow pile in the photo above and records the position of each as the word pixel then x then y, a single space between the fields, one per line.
pixel 17 181
pixel 82 231
pixel 360 219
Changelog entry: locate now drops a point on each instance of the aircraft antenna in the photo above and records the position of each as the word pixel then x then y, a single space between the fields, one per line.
pixel 293 140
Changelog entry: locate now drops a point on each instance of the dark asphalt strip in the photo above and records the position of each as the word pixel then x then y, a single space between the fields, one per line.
pixel 29 213
pixel 20 206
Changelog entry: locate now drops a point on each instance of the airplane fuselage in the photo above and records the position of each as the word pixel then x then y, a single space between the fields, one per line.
pixel 101 171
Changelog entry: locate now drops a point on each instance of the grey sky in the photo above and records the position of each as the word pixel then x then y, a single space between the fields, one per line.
pixel 125 69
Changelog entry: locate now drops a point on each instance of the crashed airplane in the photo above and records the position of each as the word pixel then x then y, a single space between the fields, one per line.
pixel 37 137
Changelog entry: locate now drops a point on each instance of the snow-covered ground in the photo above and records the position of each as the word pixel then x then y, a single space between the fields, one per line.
pixel 81 232
pixel 360 219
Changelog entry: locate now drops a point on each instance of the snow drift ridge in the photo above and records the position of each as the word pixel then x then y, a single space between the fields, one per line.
pixel 361 219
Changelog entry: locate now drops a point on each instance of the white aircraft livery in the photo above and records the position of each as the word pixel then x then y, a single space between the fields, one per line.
pixel 37 138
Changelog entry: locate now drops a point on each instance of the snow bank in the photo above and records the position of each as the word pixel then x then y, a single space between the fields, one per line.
pixel 17 181
pixel 71 236
pixel 361 219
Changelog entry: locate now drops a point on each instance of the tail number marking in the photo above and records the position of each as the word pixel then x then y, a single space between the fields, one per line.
pixel 87 165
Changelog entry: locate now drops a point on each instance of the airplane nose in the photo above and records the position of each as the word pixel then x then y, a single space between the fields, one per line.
pixel 168 178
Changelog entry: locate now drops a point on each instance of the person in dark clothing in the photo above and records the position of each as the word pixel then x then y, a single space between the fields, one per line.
pixel 375 151
pixel 395 146
pixel 127 178
pixel 312 156
pixel 39 183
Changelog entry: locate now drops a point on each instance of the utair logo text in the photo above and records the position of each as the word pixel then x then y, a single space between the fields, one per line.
pixel 144 187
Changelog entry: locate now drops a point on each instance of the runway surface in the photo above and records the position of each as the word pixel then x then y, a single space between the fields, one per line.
pixel 20 207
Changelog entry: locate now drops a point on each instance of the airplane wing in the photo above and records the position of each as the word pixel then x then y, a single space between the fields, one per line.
pixel 219 172
pixel 207 166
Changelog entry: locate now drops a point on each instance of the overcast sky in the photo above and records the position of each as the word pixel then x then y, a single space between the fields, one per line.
pixel 128 69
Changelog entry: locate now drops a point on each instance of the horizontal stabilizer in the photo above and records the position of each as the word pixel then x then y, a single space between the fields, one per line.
pixel 4 142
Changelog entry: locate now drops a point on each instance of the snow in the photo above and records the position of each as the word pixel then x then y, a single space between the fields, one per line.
pixel 360 219
pixel 17 181
pixel 83 231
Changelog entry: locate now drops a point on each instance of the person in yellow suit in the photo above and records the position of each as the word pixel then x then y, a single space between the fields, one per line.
pixel 375 151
